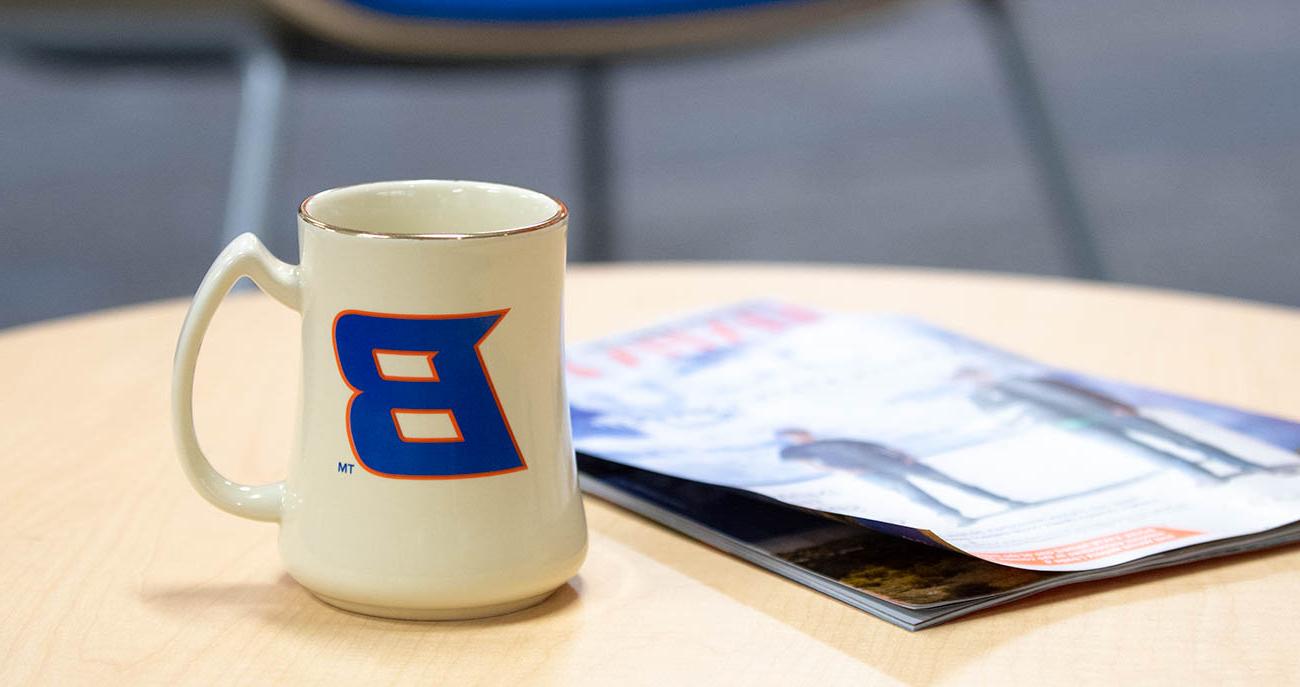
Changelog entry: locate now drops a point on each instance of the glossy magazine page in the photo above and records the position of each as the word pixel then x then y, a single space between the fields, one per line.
pixel 892 422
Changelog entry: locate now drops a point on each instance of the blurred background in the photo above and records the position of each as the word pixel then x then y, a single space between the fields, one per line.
pixel 1145 141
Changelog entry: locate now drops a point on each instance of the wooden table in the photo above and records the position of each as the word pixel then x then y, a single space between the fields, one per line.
pixel 114 571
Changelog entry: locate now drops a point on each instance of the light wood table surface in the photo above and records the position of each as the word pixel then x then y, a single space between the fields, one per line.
pixel 113 571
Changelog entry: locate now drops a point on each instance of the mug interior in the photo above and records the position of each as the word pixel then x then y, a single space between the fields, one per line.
pixel 432 209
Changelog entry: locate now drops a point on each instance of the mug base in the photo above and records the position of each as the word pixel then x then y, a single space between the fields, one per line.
pixel 470 613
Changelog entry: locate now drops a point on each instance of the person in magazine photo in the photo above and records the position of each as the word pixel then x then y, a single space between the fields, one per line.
pixel 881 465
pixel 1166 446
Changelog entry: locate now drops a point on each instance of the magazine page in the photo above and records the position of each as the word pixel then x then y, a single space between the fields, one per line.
pixel 888 419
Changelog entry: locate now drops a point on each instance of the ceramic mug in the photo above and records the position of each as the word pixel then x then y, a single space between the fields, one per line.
pixel 434 476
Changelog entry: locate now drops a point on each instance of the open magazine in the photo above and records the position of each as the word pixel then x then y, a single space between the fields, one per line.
pixel 912 472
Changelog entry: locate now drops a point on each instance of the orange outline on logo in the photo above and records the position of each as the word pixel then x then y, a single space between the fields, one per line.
pixel 451 417
pixel 523 464
pixel 428 357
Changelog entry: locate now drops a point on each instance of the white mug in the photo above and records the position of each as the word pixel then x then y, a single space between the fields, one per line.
pixel 434 476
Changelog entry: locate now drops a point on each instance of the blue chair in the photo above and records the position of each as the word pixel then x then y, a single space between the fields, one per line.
pixel 588 33
pixel 594 31
pixel 533 29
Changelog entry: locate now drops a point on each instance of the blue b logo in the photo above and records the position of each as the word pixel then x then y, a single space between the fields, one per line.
pixel 423 405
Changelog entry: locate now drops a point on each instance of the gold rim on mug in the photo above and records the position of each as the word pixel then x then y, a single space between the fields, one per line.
pixel 561 213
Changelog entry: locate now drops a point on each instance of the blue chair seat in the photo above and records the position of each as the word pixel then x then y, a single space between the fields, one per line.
pixel 556 28
pixel 553 10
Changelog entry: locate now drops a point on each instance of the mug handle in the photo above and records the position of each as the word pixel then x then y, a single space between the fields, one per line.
pixel 244 257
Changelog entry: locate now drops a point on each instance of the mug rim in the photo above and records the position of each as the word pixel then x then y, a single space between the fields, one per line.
pixel 561 214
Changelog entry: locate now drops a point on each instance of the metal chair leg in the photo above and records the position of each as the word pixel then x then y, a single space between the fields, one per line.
pixel 1040 137
pixel 595 163
pixel 262 85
